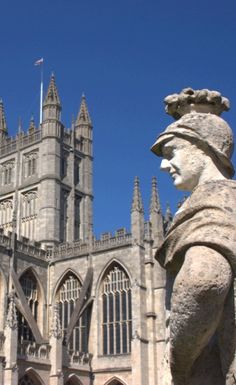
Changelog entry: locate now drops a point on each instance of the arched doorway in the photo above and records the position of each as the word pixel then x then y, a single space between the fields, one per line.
pixel 29 380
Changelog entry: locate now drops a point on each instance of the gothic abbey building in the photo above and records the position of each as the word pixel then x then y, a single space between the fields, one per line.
pixel 74 310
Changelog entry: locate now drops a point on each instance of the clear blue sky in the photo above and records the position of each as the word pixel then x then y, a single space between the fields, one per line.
pixel 126 56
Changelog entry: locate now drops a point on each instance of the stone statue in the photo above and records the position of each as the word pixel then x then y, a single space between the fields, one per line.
pixel 199 250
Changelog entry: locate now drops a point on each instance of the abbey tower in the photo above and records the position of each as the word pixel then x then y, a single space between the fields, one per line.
pixel 75 310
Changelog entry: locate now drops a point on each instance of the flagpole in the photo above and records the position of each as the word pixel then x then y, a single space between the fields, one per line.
pixel 41 96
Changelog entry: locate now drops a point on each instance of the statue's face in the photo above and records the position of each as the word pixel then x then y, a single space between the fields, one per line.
pixel 184 161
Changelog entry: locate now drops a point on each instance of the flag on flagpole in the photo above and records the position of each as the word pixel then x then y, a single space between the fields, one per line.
pixel 39 62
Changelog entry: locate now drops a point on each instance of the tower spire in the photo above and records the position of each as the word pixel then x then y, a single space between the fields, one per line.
pixel 83 114
pixel 3 123
pixel 52 96
pixel 51 104
pixel 83 128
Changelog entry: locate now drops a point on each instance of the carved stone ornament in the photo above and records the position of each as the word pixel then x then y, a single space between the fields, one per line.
pixel 199 249
pixel 11 320
pixel 56 330
pixel 189 100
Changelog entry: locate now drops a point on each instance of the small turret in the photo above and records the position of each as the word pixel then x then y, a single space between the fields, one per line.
pixel 3 124
pixel 156 215
pixel 52 104
pixel 137 215
pixel 32 125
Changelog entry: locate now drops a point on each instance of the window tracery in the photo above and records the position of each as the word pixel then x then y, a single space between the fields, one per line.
pixel 7 171
pixel 67 297
pixel 6 211
pixel 116 312
pixel 26 380
pixel 30 288
pixel 30 164
pixel 29 214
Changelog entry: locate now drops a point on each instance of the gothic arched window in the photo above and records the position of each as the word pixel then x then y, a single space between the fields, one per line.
pixel 67 296
pixel 116 312
pixel 114 381
pixel 30 164
pixel 30 288
pixel 29 214
pixel 7 172
pixel 27 380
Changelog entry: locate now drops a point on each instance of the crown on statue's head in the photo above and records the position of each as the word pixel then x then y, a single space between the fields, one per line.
pixel 189 100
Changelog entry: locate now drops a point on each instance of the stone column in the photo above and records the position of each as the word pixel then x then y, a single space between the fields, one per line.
pixel 10 345
pixel 139 345
pixel 56 375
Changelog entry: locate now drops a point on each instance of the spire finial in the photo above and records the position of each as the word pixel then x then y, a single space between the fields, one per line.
pixel 19 125
pixel 32 124
pixel 137 204
pixel 155 203
pixel 3 123
pixel 83 115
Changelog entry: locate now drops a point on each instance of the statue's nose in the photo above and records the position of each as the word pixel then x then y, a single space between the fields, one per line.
pixel 165 165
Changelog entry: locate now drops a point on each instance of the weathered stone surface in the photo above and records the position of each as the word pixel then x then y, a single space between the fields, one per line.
pixel 199 251
pixel 189 100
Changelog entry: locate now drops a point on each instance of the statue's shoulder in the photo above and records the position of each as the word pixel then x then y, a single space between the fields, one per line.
pixel 212 188
pixel 218 193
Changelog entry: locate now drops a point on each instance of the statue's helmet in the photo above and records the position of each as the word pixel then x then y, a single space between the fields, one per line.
pixel 208 131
